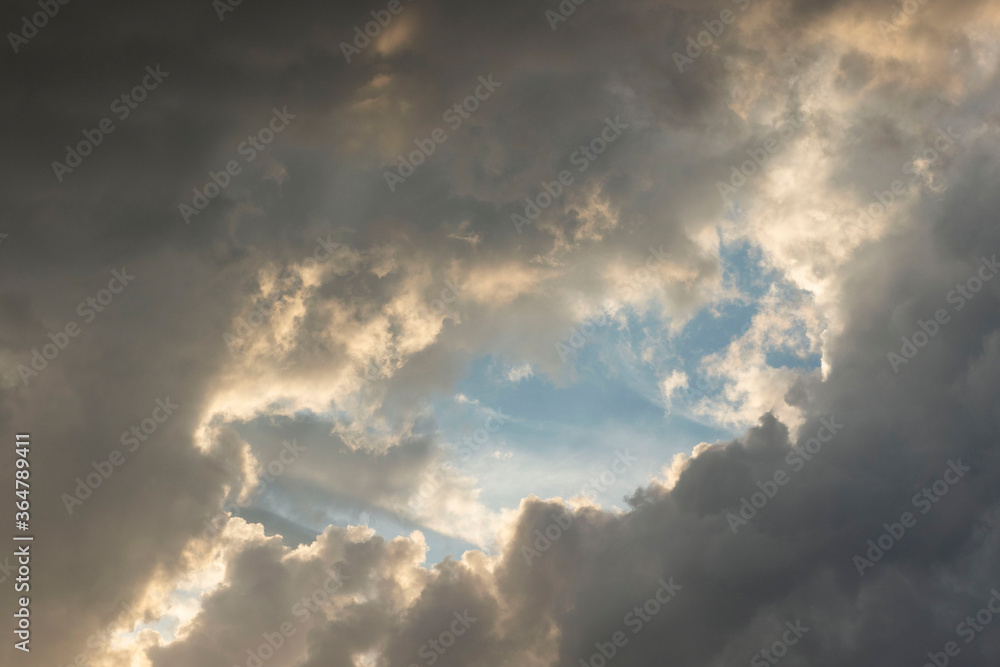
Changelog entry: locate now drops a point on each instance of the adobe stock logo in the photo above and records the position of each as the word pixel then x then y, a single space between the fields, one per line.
pixel 959 297
pixel 266 307
pixel 122 106
pixel 566 9
pixel 902 14
pixel 270 472
pixel 635 620
pixel 30 28
pixel 779 648
pixel 449 295
pixel 581 158
pixel 435 648
pixel 455 116
pixel 696 45
pixel 362 39
pixel 87 309
pixel 942 142
pixel 797 458
pixel 761 155
pixel 434 481
pixel 218 181
pixel 103 470
pixel 543 541
pixel 223 7
pixel 968 629
pixel 925 500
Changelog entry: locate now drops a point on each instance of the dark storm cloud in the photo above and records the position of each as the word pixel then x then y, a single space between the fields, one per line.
pixel 794 561
pixel 163 335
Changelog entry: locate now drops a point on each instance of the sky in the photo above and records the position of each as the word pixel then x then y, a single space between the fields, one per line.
pixel 554 334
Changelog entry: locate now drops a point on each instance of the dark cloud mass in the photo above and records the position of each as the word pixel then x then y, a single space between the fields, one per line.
pixel 308 302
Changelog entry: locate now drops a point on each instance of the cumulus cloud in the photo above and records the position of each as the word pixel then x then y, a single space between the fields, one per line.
pixel 358 309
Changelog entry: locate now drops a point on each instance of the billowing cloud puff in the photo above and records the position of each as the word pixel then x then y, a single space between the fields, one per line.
pixel 607 177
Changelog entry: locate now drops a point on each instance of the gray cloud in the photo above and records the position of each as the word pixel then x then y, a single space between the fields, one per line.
pixel 451 220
